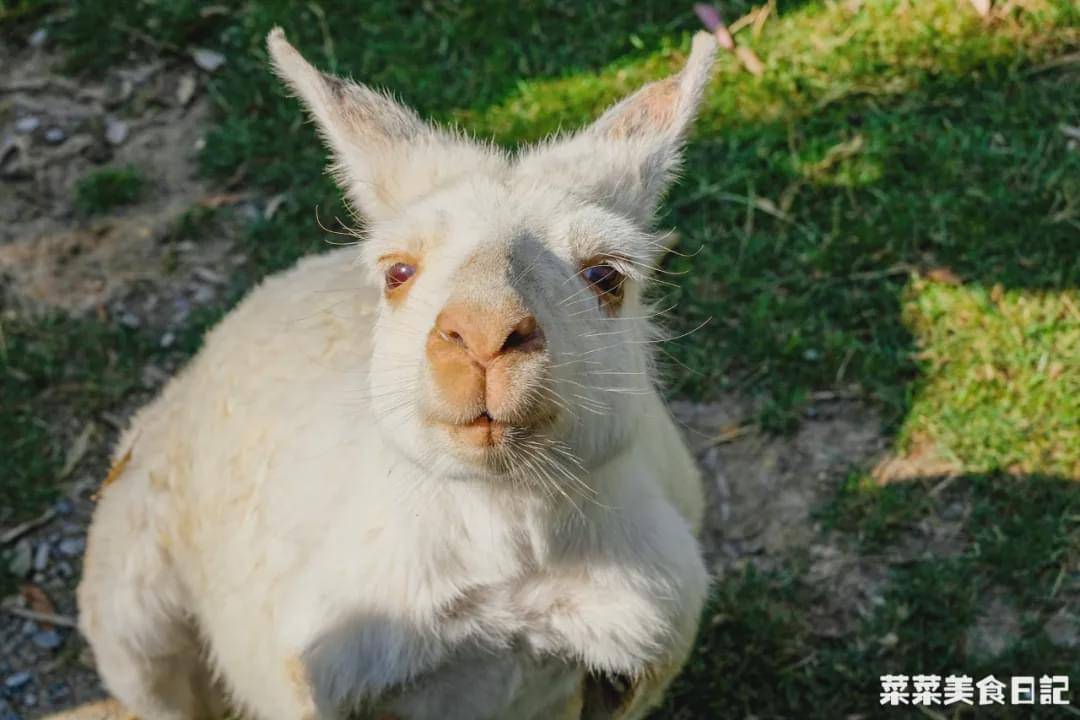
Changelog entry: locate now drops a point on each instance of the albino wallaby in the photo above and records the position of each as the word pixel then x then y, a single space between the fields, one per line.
pixel 428 476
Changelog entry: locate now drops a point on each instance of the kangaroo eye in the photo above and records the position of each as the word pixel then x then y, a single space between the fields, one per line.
pixel 605 279
pixel 398 274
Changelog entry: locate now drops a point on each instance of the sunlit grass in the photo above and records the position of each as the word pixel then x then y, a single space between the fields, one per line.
pixel 1000 387
pixel 816 56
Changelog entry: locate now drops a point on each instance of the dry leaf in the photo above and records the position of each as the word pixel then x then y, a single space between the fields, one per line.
pixel 750 61
pixel 943 275
pixel 77 450
pixel 210 202
pixel 117 469
pixel 185 89
pixel 38 601
pixel 745 21
pixel 997 293
pixel 762 16
pixel 732 432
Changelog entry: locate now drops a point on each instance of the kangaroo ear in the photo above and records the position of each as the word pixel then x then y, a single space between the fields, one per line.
pixel 385 156
pixel 628 157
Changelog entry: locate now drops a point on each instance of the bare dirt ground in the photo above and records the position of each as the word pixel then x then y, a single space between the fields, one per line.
pixel 125 266
pixel 53 132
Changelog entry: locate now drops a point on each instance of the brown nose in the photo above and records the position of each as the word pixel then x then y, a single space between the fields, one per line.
pixel 486 334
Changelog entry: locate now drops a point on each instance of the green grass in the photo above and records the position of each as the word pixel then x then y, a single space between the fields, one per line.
pixel 759 654
pixel 891 211
pixel 104 190
pixel 56 370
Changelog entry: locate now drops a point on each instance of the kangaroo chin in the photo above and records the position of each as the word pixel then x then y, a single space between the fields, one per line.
pixel 429 476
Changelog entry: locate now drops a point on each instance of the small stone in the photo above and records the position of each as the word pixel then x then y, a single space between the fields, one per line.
pixel 28 124
pixel 47 639
pixel 117 91
pixel 208 60
pixel 29 700
pixel 41 556
pixel 38 38
pixel 17 680
pixel 211 276
pixel 72 547
pixel 55 136
pixel 167 339
pixel 22 559
pixel 130 320
pixel 185 89
pixel 63 506
pixel 64 569
pixel 116 131
pixel 203 294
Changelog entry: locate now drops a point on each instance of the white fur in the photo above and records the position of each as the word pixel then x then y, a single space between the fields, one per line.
pixel 289 533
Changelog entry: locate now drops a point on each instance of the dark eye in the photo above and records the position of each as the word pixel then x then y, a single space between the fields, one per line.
pixel 399 274
pixel 604 278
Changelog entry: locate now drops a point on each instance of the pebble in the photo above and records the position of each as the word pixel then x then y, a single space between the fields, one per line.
pixel 211 276
pixel 55 136
pixel 72 547
pixel 47 639
pixel 117 91
pixel 130 320
pixel 38 37
pixel 185 89
pixel 17 680
pixel 203 294
pixel 208 60
pixel 22 559
pixel 29 700
pixel 63 506
pixel 116 131
pixel 41 556
pixel 168 339
pixel 27 124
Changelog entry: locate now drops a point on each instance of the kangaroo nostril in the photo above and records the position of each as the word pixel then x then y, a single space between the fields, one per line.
pixel 526 335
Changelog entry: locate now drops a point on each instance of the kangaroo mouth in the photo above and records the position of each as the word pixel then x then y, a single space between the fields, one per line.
pixel 483 431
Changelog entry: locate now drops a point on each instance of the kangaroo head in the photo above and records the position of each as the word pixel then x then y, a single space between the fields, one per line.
pixel 512 336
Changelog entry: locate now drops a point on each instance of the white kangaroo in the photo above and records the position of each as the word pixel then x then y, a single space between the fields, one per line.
pixel 428 476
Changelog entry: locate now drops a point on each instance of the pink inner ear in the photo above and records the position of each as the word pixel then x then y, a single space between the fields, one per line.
pixel 652 110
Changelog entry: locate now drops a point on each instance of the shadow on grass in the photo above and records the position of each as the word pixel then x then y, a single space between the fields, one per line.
pixel 761 654
pixel 809 232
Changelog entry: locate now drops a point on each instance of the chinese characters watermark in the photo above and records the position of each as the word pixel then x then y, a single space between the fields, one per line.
pixel 899 690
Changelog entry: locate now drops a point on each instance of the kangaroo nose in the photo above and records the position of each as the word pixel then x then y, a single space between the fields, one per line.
pixel 485 334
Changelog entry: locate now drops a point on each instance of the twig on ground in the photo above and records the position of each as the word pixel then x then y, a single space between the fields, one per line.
pixel 50 618
pixel 14 533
